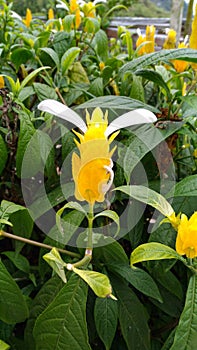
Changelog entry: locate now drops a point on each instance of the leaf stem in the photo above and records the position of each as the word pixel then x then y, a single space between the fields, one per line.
pixel 42 245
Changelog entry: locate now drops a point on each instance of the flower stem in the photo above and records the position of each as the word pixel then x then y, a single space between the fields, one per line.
pixel 42 245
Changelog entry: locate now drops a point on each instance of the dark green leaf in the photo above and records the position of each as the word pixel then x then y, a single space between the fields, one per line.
pixel 43 91
pixel 132 317
pixel 116 102
pixel 69 330
pixel 155 77
pixel 106 319
pixel 162 55
pixel 101 45
pixel 4 154
pixel 22 226
pixel 18 260
pixel 13 308
pixel 110 253
pixel 20 56
pixel 186 331
pixel 53 55
pixel 44 297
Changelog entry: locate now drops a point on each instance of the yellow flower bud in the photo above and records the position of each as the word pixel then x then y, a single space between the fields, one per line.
pixel 180 66
pixel 2 84
pixel 50 14
pixel 28 18
pixel 150 36
pixel 170 42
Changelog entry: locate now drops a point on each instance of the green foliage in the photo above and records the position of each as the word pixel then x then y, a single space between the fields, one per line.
pixel 111 278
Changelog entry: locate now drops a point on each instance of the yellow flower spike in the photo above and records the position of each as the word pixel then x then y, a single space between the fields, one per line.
pixel 170 41
pixel 92 168
pixel 89 10
pixel 73 5
pixel 141 39
pixel 150 36
pixel 50 14
pixel 28 18
pixel 180 66
pixel 186 242
pixel 101 65
pixel 192 40
pixel 2 83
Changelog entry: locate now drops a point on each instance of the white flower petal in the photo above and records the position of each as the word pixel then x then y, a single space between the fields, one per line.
pixel 137 116
pixel 60 110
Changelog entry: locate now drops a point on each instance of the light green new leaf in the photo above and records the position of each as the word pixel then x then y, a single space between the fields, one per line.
pixel 13 308
pixel 112 215
pixel 68 58
pixel 54 259
pixel 186 331
pixel 106 319
pixel 5 222
pixel 31 76
pixel 97 281
pixel 4 346
pixel 154 251
pixel 148 196
pixel 63 323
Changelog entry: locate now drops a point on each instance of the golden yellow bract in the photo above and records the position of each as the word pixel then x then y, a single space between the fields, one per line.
pixel 28 18
pixel 92 170
pixel 2 83
pixel 186 242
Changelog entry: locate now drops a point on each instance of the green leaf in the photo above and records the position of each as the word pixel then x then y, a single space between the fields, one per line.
pixel 4 346
pixel 27 131
pixel 20 56
pixel 138 278
pixel 142 142
pixel 54 259
pixel 25 93
pixel 160 56
pixel 106 319
pixel 43 91
pixel 63 324
pixel 92 25
pixel 4 154
pixel 154 251
pixel 68 58
pixel 148 196
pixel 44 297
pixel 110 253
pixel 112 215
pixel 9 208
pixel 132 317
pixel 185 188
pixel 18 260
pixel 13 308
pixel 53 55
pixel 100 43
pixel 116 102
pixel 97 281
pixel 31 76
pixel 186 331
pixel 155 77
pixel 22 226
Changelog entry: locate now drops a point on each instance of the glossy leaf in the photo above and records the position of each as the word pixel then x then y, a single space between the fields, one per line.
pixel 31 76
pixel 68 58
pixel 106 319
pixel 13 308
pixel 20 56
pixel 185 188
pixel 69 330
pixel 110 253
pixel 148 196
pixel 18 260
pixel 154 251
